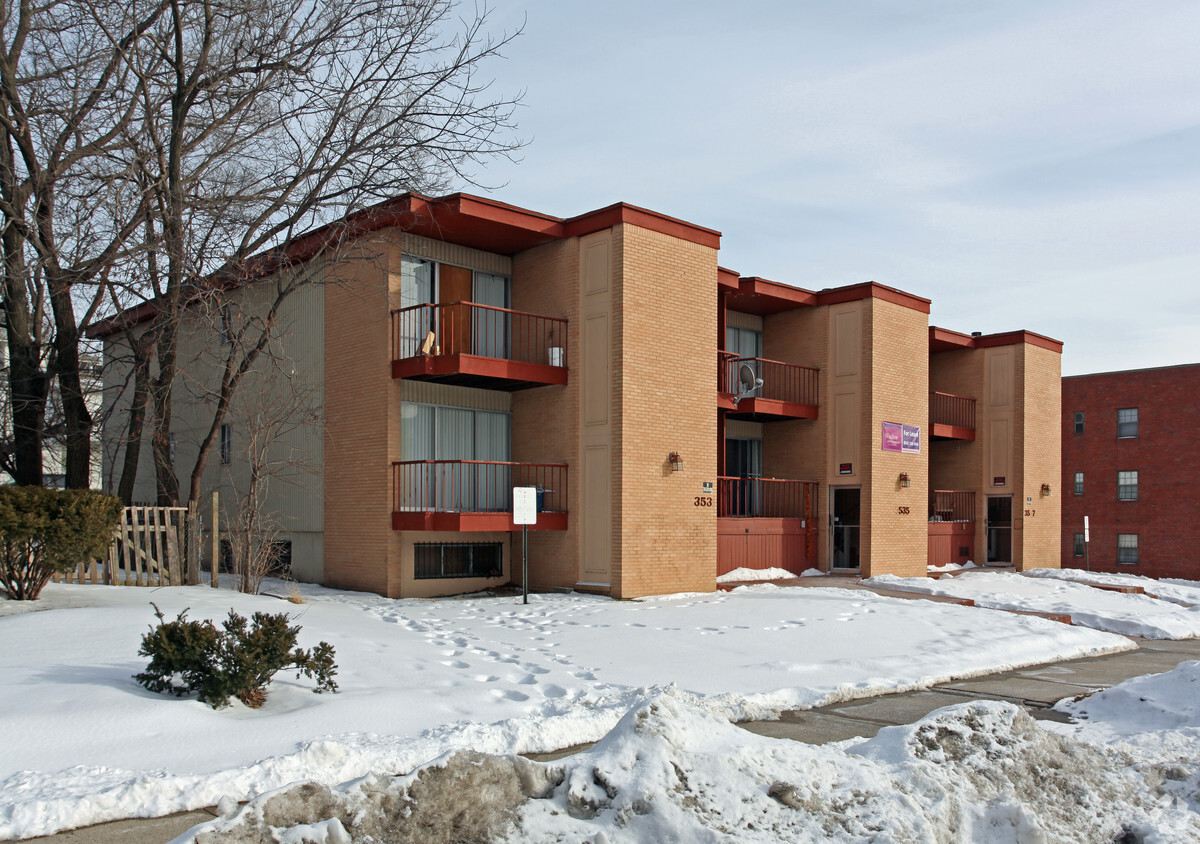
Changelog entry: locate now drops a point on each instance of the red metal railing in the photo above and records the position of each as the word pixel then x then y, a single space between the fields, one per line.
pixel 769 498
pixel 949 505
pixel 469 329
pixel 474 486
pixel 781 381
pixel 947 409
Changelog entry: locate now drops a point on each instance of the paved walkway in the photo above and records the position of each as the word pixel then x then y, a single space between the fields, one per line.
pixel 1037 688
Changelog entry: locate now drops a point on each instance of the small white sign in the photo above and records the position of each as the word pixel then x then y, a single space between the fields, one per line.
pixel 525 505
pixel 1087 534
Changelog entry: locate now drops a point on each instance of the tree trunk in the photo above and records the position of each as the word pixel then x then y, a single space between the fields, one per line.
pixel 141 348
pixel 76 415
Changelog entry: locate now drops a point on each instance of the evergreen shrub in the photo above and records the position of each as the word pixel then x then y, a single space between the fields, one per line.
pixel 238 660
pixel 49 531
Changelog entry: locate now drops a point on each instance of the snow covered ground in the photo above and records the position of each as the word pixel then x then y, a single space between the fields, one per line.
pixel 1186 592
pixel 1067 594
pixel 672 770
pixel 84 743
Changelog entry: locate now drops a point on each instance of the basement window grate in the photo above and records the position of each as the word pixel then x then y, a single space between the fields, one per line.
pixel 457 559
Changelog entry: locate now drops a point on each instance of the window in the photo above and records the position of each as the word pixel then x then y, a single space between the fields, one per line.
pixel 1079 483
pixel 1127 548
pixel 171 442
pixel 1079 421
pixel 1079 545
pixel 1127 486
pixel 452 435
pixel 226 325
pixel 226 444
pixel 457 559
pixel 1127 422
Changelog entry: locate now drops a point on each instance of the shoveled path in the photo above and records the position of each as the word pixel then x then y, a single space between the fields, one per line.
pixel 1037 688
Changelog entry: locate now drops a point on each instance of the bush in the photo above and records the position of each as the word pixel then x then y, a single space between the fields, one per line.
pixel 49 531
pixel 236 661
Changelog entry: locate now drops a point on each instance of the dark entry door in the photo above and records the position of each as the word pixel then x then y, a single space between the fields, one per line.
pixel 999 529
pixel 743 461
pixel 845 522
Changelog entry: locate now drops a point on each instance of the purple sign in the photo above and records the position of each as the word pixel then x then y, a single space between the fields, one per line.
pixel 905 438
pixel 892 436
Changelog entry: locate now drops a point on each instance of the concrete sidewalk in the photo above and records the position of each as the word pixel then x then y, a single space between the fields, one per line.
pixel 1037 688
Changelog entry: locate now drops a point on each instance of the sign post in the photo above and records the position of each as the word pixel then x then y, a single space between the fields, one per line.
pixel 1087 560
pixel 524 514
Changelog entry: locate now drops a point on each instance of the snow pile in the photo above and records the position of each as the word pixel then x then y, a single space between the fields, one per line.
pixel 1127 614
pixel 1186 592
pixel 671 770
pixel 744 575
pixel 421 678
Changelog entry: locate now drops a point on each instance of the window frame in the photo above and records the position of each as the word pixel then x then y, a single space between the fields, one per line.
pixel 226 447
pixel 1078 545
pixel 1130 424
pixel 1127 486
pixel 1078 487
pixel 1126 548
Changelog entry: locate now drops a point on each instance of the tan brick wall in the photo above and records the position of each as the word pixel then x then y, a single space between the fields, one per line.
pixel 799 449
pixel 545 420
pixel 358 383
pixel 1041 455
pixel 666 375
pixel 895 533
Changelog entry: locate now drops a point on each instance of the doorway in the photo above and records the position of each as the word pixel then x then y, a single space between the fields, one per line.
pixel 845 523
pixel 999 529
pixel 743 465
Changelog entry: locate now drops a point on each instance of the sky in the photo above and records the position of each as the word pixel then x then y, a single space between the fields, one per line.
pixel 1022 164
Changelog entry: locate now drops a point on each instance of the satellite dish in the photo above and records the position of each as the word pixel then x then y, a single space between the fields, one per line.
pixel 749 381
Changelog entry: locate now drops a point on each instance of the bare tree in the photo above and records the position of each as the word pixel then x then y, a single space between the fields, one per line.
pixel 149 150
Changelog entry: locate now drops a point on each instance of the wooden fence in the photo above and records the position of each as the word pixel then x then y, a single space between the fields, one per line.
pixel 154 546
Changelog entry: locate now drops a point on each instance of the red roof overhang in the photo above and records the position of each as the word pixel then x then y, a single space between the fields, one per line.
pixel 944 340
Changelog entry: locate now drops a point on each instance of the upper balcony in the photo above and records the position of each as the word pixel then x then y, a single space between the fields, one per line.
pixel 478 346
pixel 788 391
pixel 474 495
pixel 952 417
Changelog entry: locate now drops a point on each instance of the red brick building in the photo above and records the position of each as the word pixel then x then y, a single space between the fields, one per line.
pixel 1128 467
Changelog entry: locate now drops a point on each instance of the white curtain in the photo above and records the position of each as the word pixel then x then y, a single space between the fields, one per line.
pixel 417 287
pixel 490 329
pixel 433 432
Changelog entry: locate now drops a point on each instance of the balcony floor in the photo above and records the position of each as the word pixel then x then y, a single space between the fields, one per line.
pixel 471 522
pixel 764 410
pixel 952 432
pixel 477 371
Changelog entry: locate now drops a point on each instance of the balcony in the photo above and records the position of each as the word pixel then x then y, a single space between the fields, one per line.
pixel 952 417
pixel 788 391
pixel 474 495
pixel 478 346
pixel 951 527
pixel 766 523
pixel 765 498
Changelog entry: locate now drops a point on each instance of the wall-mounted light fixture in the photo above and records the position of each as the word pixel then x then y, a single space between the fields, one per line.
pixel 904 481
pixel 676 461
pixel 1046 490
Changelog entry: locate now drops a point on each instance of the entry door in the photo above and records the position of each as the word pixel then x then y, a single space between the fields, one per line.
pixel 491 328
pixel 743 461
pixel 845 522
pixel 999 529
pixel 418 286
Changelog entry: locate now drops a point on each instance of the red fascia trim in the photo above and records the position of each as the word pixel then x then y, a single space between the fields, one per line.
pixel 756 286
pixel 727 279
pixel 118 322
pixel 872 290
pixel 943 339
pixel 501 212
pixel 1017 338
pixel 623 212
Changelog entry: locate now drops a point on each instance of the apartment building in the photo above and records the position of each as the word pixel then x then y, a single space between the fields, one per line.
pixel 1125 471
pixel 678 420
